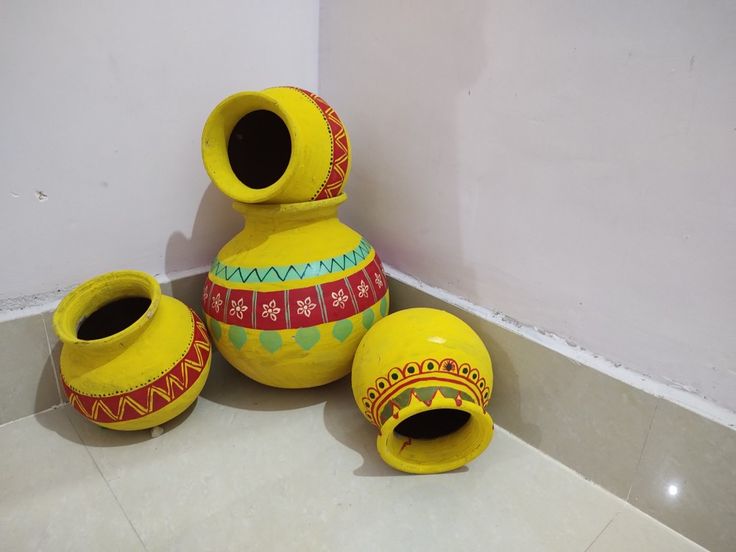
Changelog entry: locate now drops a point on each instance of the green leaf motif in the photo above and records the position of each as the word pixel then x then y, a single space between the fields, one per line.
pixel 368 318
pixel 307 337
pixel 271 341
pixel 215 329
pixel 384 306
pixel 342 329
pixel 237 336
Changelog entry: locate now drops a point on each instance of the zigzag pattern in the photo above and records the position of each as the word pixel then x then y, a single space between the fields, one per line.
pixel 149 398
pixel 336 180
pixel 339 149
pixel 292 272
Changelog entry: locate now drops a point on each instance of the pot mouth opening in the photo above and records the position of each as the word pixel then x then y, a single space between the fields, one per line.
pixel 436 438
pixel 432 424
pixel 112 318
pixel 259 149
pixel 107 308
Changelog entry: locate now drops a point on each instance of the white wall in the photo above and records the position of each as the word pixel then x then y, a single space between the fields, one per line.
pixel 571 164
pixel 102 104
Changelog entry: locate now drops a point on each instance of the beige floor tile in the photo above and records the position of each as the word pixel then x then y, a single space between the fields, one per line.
pixel 27 383
pixel 258 468
pixel 253 468
pixel 52 497
pixel 687 477
pixel 631 530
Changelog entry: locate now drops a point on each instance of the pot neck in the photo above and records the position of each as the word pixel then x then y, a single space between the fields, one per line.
pixel 287 215
pixel 94 294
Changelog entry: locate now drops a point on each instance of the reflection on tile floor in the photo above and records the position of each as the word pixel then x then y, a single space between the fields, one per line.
pixel 253 468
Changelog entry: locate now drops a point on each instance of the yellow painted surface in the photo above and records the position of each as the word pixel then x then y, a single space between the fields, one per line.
pixel 130 360
pixel 418 360
pixel 292 366
pixel 312 145
pixel 306 355
pixel 289 234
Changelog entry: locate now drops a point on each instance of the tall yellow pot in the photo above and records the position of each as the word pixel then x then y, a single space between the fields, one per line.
pixel 289 298
pixel 281 145
pixel 423 377
pixel 131 358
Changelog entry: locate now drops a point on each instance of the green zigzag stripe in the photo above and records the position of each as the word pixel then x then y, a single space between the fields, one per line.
pixel 302 271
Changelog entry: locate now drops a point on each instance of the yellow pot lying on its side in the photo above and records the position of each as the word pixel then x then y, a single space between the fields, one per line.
pixel 423 377
pixel 132 358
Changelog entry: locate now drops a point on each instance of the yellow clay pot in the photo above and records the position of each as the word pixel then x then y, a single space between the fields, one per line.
pixel 281 145
pixel 132 358
pixel 423 377
pixel 288 299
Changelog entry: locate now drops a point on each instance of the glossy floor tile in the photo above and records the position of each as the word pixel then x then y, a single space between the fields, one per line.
pixel 52 496
pixel 254 468
pixel 687 477
pixel 27 382
pixel 630 530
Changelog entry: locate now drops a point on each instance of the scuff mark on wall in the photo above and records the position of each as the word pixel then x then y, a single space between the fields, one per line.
pixel 41 196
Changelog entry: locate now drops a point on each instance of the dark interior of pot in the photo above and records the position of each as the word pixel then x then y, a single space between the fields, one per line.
pixel 432 424
pixel 259 149
pixel 113 318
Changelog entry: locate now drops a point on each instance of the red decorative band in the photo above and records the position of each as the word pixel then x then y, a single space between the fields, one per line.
pixel 145 400
pixel 340 149
pixel 429 372
pixel 296 308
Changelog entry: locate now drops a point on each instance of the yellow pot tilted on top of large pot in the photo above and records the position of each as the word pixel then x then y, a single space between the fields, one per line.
pixel 280 145
pixel 423 377
pixel 288 299
pixel 132 358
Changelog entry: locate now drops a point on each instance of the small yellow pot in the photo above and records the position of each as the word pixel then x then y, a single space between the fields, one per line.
pixel 281 145
pixel 132 358
pixel 289 298
pixel 423 377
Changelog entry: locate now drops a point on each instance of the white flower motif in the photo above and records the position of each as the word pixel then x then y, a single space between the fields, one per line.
pixel 339 299
pixel 216 303
pixel 270 310
pixel 305 307
pixel 238 309
pixel 205 296
pixel 362 289
pixel 378 280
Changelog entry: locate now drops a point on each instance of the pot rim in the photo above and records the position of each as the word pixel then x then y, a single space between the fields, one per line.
pixel 99 291
pixel 441 454
pixel 216 134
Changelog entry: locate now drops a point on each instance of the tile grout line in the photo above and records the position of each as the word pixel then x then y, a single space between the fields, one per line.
pixel 610 521
pixel 33 415
pixel 53 363
pixel 107 484
pixel 643 448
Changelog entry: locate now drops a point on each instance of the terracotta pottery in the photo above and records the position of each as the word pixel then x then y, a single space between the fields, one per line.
pixel 131 358
pixel 281 145
pixel 289 298
pixel 423 377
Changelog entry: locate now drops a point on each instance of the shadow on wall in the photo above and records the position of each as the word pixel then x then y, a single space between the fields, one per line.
pixel 214 225
pixel 408 189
